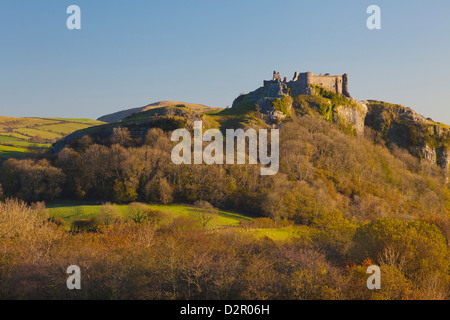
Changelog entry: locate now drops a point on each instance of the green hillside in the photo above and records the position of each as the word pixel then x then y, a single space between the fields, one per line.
pixel 19 136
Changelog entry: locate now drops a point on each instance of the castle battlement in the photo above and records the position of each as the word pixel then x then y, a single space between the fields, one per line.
pixel 301 82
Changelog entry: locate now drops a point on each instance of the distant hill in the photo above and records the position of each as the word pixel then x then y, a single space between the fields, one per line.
pixel 119 116
pixel 19 135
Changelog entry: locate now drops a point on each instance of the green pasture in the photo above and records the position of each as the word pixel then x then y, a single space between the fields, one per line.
pixel 220 220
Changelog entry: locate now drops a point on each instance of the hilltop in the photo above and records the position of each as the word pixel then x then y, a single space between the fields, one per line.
pixel 120 115
pixel 323 96
pixel 398 125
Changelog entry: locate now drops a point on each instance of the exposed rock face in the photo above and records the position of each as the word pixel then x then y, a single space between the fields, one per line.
pixel 273 101
pixel 443 158
pixel 351 116
pixel 424 138
pixel 426 153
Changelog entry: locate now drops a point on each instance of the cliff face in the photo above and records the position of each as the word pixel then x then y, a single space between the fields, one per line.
pixel 424 138
pixel 351 117
pixel 273 101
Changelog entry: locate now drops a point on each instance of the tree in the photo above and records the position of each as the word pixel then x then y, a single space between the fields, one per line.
pixel 122 136
pixel 165 191
pixel 32 180
pixel 416 248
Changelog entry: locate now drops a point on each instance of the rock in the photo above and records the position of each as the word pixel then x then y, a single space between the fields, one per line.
pixel 422 137
pixel 351 116
pixel 263 99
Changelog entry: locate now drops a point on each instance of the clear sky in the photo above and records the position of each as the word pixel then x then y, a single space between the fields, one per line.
pixel 132 53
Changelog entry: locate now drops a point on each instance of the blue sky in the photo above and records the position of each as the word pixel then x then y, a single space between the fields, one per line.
pixel 132 53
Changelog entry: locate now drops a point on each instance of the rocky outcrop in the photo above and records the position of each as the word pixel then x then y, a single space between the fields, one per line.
pixel 351 116
pixel 424 138
pixel 273 101
pixel 443 158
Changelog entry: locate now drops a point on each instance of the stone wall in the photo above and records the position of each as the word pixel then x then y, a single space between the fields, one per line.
pixel 301 83
pixel 331 83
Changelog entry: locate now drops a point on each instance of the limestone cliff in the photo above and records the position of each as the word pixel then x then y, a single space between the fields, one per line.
pixel 272 101
pixel 275 101
pixel 422 137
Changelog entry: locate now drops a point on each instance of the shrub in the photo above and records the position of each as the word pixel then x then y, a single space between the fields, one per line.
pixel 57 221
pixel 283 105
pixel 260 223
pixel 83 225
pixel 109 214
pixel 17 219
pixel 40 209
pixel 141 213
pixel 204 205
pixel 137 212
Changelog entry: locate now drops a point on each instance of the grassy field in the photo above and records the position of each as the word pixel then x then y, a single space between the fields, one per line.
pixel 17 135
pixel 12 152
pixel 220 220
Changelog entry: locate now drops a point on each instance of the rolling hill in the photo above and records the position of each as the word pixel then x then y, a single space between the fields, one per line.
pixel 18 136
pixel 119 116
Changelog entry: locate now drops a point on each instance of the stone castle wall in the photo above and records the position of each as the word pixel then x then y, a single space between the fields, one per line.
pixel 331 83
pixel 301 83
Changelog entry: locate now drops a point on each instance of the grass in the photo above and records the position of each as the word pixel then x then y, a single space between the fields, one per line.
pixel 7 152
pixel 64 128
pixel 82 121
pixel 222 220
pixel 70 212
pixel 17 134
pixel 281 233
pixel 31 132
pixel 7 138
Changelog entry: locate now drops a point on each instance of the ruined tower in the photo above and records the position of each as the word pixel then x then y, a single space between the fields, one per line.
pixel 301 83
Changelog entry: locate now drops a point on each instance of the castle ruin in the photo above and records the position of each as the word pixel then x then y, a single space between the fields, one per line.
pixel 301 83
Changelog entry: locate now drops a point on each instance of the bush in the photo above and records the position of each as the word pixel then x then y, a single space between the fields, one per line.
pixel 137 212
pixel 283 105
pixel 141 213
pixel 17 219
pixel 204 205
pixel 109 214
pixel 40 209
pixel 57 221
pixel 260 223
pixel 83 225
